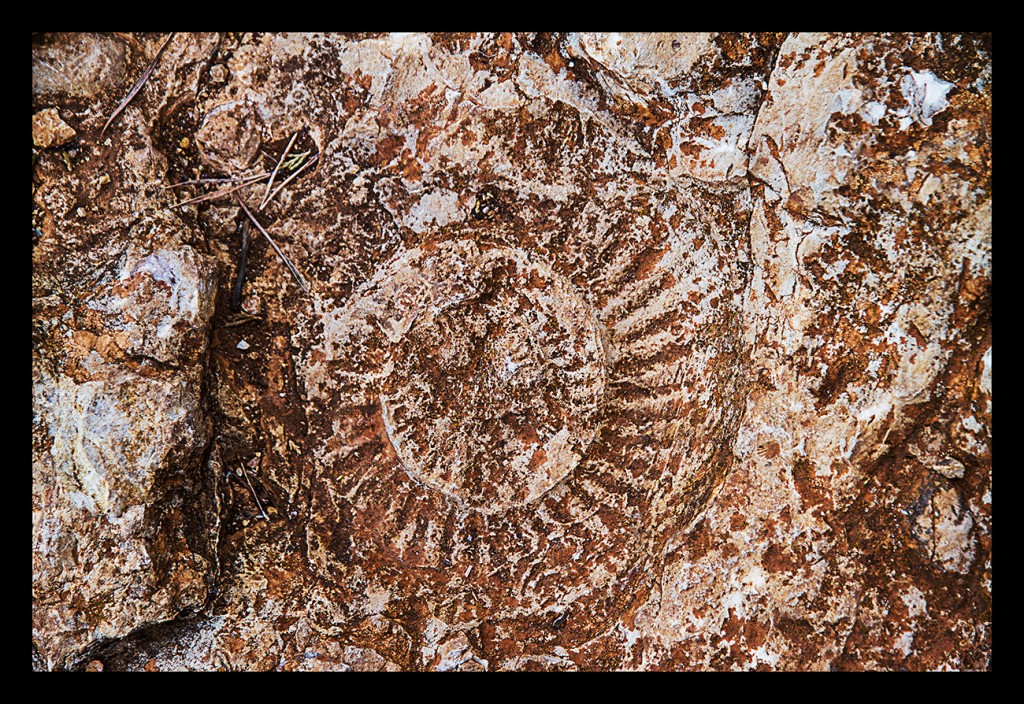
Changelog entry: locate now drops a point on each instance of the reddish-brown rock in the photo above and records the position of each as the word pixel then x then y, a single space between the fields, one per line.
pixel 620 351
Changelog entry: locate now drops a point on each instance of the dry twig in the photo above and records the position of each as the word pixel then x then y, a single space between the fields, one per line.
pixel 273 244
pixel 243 255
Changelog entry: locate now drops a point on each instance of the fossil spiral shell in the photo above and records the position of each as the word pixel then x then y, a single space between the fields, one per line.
pixel 509 422
pixel 492 390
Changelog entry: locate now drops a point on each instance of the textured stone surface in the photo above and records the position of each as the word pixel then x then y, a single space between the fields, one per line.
pixel 124 512
pixel 621 351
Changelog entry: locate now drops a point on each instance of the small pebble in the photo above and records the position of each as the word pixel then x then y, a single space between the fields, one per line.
pixel 48 130
pixel 948 467
pixel 243 345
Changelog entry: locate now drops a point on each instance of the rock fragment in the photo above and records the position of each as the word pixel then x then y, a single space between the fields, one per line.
pixel 230 136
pixel 48 130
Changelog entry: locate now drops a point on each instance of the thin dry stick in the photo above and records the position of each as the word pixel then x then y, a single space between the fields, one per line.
pixel 243 255
pixel 286 182
pixel 217 194
pixel 230 179
pixel 258 504
pixel 273 244
pixel 266 193
pixel 138 85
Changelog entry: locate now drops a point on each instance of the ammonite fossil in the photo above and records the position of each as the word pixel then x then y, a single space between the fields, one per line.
pixel 519 428
pixel 431 351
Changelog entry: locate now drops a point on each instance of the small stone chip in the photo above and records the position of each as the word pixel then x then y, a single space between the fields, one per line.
pixel 185 141
pixel 948 467
pixel 218 73
pixel 48 130
pixel 243 345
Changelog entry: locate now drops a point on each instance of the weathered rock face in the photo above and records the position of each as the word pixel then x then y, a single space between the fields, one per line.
pixel 620 351
pixel 125 516
pixel 124 523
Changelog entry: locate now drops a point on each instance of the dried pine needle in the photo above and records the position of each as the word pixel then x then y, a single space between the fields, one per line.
pixel 257 498
pixel 138 85
pixel 230 180
pixel 217 194
pixel 266 193
pixel 287 181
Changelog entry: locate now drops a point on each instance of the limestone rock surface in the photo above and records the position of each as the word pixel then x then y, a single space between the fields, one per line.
pixel 636 351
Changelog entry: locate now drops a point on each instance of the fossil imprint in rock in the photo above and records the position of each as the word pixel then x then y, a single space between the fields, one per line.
pixel 492 392
pixel 523 426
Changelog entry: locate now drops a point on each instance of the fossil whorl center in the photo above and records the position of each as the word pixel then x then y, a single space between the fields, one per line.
pixel 492 397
